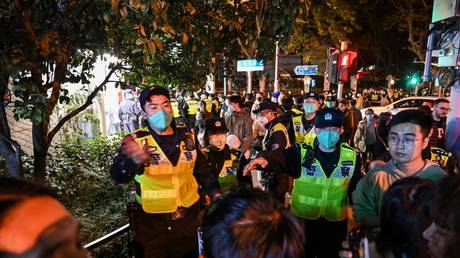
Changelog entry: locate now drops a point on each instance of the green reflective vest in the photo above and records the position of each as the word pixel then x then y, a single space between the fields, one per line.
pixel 175 109
pixel 301 133
pixel 315 195
pixel 297 111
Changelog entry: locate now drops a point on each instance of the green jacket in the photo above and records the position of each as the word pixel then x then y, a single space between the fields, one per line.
pixel 368 195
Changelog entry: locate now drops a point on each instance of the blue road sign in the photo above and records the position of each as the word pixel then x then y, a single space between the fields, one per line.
pixel 248 65
pixel 306 70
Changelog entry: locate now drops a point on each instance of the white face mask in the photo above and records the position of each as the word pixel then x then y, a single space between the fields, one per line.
pixel 218 141
pixel 263 120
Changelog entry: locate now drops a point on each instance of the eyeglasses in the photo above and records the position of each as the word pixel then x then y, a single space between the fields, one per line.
pixel 445 109
pixel 394 140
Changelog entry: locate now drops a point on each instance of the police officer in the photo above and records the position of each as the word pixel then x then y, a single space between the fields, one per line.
pixel 276 137
pixel 129 112
pixel 325 175
pixel 304 125
pixel 167 168
pixel 190 109
pixel 330 102
pixel 224 159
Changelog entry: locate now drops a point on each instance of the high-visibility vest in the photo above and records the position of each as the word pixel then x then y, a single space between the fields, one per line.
pixel 175 109
pixel 227 175
pixel 315 195
pixel 192 107
pixel 440 156
pixel 165 187
pixel 277 127
pixel 301 134
pixel 216 104
pixel 208 105
pixel 297 111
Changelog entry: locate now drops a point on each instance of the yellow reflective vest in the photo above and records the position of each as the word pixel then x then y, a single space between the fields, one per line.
pixel 165 187
pixel 216 104
pixel 301 133
pixel 227 175
pixel 315 195
pixel 208 105
pixel 175 109
pixel 192 107
pixel 297 111
pixel 277 127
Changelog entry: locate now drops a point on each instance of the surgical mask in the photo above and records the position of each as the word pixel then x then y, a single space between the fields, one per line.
pixel 218 141
pixel 369 117
pixel 160 120
pixel 309 108
pixel 263 120
pixel 328 139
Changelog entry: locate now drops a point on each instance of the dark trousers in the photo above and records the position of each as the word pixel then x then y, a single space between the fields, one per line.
pixel 158 236
pixel 324 238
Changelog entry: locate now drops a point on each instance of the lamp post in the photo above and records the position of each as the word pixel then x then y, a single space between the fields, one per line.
pixel 277 52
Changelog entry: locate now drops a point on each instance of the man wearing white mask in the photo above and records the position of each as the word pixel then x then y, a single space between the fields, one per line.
pixel 276 137
pixel 167 168
pixel 239 123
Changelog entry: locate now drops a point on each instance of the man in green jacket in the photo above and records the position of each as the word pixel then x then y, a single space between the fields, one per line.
pixel 408 136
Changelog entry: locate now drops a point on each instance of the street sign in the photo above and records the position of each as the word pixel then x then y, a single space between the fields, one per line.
pixel 249 65
pixel 306 70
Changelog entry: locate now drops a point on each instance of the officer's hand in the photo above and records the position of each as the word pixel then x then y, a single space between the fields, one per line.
pixel 258 162
pixel 132 150
pixel 345 253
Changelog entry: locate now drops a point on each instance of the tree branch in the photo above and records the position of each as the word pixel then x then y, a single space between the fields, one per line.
pixel 88 102
pixel 26 15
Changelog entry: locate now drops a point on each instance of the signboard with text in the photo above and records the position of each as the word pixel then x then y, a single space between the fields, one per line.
pixel 306 70
pixel 249 65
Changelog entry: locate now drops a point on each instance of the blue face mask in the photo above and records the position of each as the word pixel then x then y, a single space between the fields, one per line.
pixel 328 139
pixel 160 120
pixel 309 108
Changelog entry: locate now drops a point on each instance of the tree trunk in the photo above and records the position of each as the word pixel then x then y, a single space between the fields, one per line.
pixel 41 146
pixel 9 149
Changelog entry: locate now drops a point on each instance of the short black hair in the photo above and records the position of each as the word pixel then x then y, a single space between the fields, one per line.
pixel 353 102
pixel 440 100
pixel 249 222
pixel 413 116
pixel 235 99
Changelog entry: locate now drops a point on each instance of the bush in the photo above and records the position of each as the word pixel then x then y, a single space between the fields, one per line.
pixel 78 170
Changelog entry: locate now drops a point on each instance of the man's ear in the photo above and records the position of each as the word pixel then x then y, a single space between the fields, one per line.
pixel 426 140
pixel 341 130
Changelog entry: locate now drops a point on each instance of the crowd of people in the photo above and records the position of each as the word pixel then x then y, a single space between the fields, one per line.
pixel 283 175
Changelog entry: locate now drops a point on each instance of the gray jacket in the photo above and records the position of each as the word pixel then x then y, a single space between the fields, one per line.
pixel 240 124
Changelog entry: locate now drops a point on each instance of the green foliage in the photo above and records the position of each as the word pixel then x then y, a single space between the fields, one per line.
pixel 78 170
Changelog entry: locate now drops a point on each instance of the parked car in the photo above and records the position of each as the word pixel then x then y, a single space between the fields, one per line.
pixel 402 104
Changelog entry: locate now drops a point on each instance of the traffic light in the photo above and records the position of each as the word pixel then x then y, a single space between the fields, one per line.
pixel 332 65
pixel 347 64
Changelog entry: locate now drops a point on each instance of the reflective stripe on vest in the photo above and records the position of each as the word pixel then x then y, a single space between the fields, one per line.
pixel 301 136
pixel 165 187
pixel 315 195
pixel 277 127
pixel 192 107
pixel 175 109
pixel 296 111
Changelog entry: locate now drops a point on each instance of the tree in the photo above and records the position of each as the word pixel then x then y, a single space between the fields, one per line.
pixel 44 45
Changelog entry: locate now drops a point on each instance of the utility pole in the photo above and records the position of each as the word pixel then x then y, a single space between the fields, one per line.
pixel 277 53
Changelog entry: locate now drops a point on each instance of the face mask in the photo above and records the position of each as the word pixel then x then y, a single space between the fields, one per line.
pixel 328 139
pixel 218 141
pixel 330 104
pixel 230 108
pixel 369 117
pixel 263 120
pixel 160 120
pixel 309 108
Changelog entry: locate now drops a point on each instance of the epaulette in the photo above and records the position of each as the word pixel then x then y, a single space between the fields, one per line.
pixel 140 133
pixel 346 146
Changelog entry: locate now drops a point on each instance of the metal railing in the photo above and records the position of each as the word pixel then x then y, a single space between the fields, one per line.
pixel 107 238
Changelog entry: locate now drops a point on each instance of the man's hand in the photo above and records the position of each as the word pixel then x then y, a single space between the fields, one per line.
pixel 132 150
pixel 258 162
